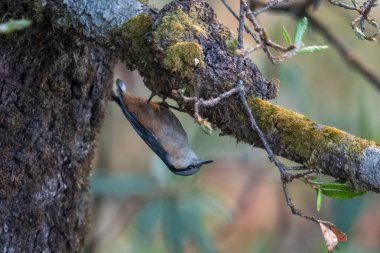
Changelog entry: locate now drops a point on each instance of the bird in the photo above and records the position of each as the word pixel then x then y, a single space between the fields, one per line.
pixel 161 131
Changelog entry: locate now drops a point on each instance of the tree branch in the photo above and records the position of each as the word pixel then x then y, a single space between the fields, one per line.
pixel 291 135
pixel 54 83
pixel 93 19
pixel 349 57
pixel 201 65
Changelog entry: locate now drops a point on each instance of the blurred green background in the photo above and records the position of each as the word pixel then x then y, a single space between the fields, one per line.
pixel 237 204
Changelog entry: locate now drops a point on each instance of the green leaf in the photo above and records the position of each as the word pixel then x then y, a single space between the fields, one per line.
pixel 174 231
pixel 336 190
pixel 146 221
pixel 312 49
pixel 286 36
pixel 125 186
pixel 373 23
pixel 355 3
pixel 340 191
pixel 191 215
pixel 359 33
pixel 232 45
pixel 317 182
pixel 14 25
pixel 207 129
pixel 319 199
pixel 210 205
pixel 300 30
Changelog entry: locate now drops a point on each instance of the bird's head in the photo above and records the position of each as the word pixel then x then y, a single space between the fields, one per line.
pixel 191 169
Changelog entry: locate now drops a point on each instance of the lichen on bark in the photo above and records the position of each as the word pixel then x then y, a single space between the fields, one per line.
pixel 183 58
pixel 53 89
pixel 149 43
pixel 189 23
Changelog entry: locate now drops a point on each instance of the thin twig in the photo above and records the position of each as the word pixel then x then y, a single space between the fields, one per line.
pixel 343 5
pixel 241 34
pixel 271 4
pixel 236 16
pixel 358 24
pixel 260 35
pixel 296 168
pixel 199 102
pixel 349 57
pixel 264 36
pixel 285 176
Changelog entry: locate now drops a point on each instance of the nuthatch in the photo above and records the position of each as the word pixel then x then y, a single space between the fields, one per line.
pixel 161 130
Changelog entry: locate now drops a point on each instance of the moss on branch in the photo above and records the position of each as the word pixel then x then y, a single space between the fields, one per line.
pixel 185 46
pixel 322 148
pixel 183 57
pixel 132 45
pixel 303 139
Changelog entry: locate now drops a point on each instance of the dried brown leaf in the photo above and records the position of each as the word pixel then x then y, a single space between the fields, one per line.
pixel 330 238
pixel 342 237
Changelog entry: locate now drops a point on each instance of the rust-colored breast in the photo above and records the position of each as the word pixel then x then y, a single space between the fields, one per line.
pixel 161 122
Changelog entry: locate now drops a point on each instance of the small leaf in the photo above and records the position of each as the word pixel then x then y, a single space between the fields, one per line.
pixel 173 230
pixel 191 215
pixel 147 220
pixel 14 25
pixel 300 30
pixel 359 33
pixel 372 37
pixel 342 237
pixel 316 182
pixel 319 199
pixel 331 235
pixel 330 238
pixel 355 3
pixel 124 186
pixel 205 125
pixel 312 49
pixel 340 191
pixel 373 23
pixel 232 45
pixel 286 36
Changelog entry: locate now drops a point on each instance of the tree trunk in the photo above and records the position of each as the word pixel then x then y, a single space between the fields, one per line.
pixel 53 89
pixel 54 82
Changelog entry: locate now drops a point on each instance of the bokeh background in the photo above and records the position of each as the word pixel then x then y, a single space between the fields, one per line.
pixel 236 204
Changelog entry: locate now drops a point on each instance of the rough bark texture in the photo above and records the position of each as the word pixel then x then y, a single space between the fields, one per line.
pixel 53 88
pixel 92 18
pixel 184 46
pixel 54 80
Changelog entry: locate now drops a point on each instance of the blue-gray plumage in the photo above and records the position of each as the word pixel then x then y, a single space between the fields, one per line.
pixel 161 131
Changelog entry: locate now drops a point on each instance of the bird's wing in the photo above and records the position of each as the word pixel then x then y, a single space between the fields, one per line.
pixel 151 140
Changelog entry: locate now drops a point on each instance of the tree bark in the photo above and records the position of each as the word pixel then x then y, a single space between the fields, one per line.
pixel 54 82
pixel 53 90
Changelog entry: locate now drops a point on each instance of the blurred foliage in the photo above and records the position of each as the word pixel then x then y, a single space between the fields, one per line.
pixel 178 215
pixel 14 25
pixel 172 208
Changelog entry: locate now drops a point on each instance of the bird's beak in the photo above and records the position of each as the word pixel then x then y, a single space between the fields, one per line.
pixel 201 162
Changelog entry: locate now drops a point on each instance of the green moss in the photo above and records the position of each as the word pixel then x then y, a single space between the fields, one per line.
pixel 146 2
pixel 130 38
pixel 183 57
pixel 38 10
pixel 177 25
pixel 231 46
pixel 303 137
